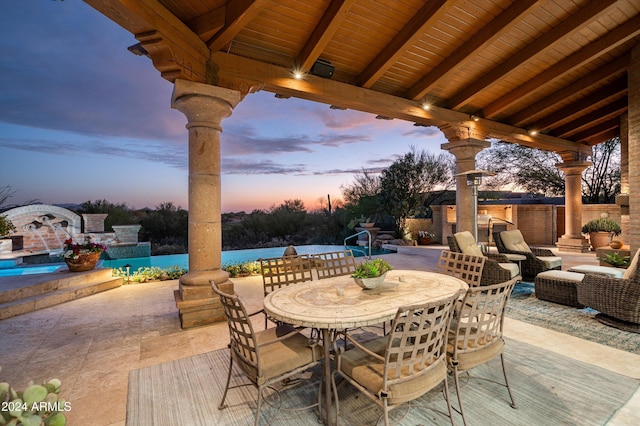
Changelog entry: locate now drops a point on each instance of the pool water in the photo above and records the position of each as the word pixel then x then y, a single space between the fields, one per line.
pixel 29 270
pixel 229 257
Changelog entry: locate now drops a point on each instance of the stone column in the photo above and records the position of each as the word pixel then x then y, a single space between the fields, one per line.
pixel 465 151
pixel 572 240
pixel 622 199
pixel 633 122
pixel 204 106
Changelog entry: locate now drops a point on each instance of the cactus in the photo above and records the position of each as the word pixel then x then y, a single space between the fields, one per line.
pixel 37 405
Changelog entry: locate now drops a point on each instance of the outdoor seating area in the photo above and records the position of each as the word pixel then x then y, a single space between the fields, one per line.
pixel 152 366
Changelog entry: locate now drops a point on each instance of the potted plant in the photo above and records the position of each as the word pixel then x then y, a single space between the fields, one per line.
pixel 425 237
pixel 370 273
pixel 6 228
pixel 601 231
pixel 82 257
pixel 615 259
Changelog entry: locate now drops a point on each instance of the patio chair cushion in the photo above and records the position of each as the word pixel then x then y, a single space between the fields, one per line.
pixel 467 243
pixel 368 371
pixel 469 360
pixel 511 267
pixel 608 271
pixel 514 241
pixel 278 358
pixel 561 275
pixel 631 270
pixel 551 262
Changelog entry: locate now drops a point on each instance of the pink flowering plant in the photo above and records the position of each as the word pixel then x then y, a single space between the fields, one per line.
pixel 74 250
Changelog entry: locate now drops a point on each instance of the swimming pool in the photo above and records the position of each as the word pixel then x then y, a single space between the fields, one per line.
pixel 229 257
pixel 29 270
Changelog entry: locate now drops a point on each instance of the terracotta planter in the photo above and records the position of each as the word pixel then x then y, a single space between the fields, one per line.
pixel 600 239
pixel 615 245
pixel 84 262
pixel 423 241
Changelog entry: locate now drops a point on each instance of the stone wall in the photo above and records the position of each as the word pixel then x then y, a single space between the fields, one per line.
pixel 540 224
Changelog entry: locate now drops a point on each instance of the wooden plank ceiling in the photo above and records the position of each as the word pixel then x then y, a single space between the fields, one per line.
pixel 498 68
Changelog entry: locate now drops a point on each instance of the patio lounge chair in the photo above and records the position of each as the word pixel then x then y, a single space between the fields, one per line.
pixel 405 364
pixel 617 299
pixel 537 259
pixel 476 333
pixel 497 267
pixel 265 357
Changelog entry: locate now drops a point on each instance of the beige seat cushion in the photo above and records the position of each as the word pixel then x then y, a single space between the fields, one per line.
pixel 551 262
pixel 283 356
pixel 473 358
pixel 631 270
pixel 514 241
pixel 467 243
pixel 511 267
pixel 368 371
pixel 561 275
pixel 608 271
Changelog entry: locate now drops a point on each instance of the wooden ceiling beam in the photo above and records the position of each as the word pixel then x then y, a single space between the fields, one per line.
pixel 233 69
pixel 596 116
pixel 176 51
pixel 603 45
pixel 597 130
pixel 487 34
pixel 238 13
pixel 529 114
pixel 573 23
pixel 322 34
pixel 207 25
pixel 595 139
pixel 405 39
pixel 607 93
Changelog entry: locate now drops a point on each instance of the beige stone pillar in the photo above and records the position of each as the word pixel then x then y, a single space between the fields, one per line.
pixel 572 240
pixel 465 151
pixel 204 106
pixel 622 199
pixel 633 121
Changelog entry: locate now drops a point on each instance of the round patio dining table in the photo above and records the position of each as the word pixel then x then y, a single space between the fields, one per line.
pixel 339 303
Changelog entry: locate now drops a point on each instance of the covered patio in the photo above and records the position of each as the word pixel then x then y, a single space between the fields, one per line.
pixel 557 75
pixel 97 351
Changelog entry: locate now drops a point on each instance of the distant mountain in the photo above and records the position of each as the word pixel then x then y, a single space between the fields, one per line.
pixel 69 206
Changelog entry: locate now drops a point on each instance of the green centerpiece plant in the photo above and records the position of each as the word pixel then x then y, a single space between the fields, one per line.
pixel 370 273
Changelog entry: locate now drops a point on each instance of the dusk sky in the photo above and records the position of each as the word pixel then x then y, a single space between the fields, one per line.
pixel 82 118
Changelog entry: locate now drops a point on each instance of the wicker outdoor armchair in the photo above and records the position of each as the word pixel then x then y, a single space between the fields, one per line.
pixel 493 271
pixel 537 259
pixel 617 299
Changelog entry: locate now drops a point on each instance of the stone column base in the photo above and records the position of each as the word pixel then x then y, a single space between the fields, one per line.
pixel 573 244
pixel 196 301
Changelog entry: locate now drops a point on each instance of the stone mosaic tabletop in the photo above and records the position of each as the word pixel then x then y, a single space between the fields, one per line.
pixel 337 303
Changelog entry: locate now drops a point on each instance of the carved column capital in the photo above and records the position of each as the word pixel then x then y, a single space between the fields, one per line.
pixel 173 61
pixel 461 132
pixel 571 168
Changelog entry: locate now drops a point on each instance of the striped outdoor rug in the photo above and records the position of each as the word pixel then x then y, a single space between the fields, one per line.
pixel 549 389
pixel 524 306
